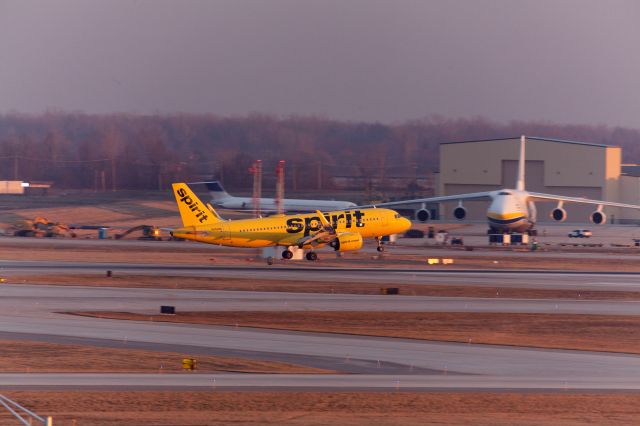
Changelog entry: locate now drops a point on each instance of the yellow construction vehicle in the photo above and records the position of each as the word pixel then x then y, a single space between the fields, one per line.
pixel 41 227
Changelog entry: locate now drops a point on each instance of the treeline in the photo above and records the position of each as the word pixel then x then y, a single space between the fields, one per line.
pixel 122 151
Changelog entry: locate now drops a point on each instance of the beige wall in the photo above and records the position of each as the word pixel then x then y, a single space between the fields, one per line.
pixel 565 164
pixel 553 167
pixel 630 194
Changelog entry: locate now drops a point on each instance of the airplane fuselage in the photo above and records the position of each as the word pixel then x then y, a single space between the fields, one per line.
pixel 511 211
pixel 289 204
pixel 287 230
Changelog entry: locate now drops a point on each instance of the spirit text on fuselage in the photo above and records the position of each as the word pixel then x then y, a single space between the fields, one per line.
pixel 313 224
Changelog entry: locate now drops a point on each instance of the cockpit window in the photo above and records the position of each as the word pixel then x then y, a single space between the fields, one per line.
pixel 504 193
pixel 397 216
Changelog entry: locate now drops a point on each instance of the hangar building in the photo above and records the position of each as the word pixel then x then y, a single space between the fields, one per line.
pixel 553 166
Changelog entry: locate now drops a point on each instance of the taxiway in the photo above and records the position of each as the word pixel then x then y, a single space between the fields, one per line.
pixel 36 311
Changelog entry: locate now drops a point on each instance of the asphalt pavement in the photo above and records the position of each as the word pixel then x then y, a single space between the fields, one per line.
pixel 382 363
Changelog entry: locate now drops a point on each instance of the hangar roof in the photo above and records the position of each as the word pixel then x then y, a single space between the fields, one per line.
pixel 533 138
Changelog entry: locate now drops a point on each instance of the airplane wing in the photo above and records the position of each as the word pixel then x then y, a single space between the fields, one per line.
pixel 469 196
pixel 325 235
pixel 536 196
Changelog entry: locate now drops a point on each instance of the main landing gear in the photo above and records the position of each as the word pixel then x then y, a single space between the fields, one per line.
pixel 311 256
pixel 380 247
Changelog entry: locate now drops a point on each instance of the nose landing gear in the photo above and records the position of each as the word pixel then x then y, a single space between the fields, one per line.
pixel 380 247
pixel 312 256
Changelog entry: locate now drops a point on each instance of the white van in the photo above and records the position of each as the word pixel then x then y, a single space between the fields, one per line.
pixel 580 233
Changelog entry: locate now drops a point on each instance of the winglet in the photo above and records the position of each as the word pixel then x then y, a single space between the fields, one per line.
pixel 521 163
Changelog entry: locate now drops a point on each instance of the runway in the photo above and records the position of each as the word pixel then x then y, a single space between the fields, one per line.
pixel 381 363
pixel 564 280
pixel 305 382
pixel 39 300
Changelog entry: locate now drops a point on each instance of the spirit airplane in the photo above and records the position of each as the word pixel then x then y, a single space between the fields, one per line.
pixel 342 230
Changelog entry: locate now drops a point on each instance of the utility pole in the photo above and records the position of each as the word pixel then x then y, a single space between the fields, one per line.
pixel 15 167
pixel 161 169
pixel 280 187
pixel 256 171
pixel 113 174
pixel 295 177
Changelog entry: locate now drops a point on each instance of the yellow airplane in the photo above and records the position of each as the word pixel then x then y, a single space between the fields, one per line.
pixel 342 230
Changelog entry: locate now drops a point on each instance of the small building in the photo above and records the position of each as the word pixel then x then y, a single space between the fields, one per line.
pixel 18 187
pixel 14 187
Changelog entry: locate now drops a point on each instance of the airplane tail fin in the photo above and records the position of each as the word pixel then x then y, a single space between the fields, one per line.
pixel 521 163
pixel 216 190
pixel 193 211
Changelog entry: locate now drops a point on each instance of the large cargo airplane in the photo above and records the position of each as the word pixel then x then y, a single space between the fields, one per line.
pixel 513 210
pixel 221 199
pixel 342 230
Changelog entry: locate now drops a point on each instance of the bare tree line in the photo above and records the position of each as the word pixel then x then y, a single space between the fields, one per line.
pixel 123 151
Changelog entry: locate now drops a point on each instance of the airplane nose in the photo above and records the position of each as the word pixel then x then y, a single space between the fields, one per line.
pixel 406 224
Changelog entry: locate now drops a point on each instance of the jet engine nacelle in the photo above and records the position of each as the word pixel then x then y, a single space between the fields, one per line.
pixel 559 214
pixel 347 241
pixel 459 212
pixel 423 215
pixel 598 217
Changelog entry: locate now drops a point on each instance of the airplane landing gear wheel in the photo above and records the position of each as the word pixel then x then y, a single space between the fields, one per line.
pixel 287 254
pixel 269 260
pixel 380 248
pixel 312 256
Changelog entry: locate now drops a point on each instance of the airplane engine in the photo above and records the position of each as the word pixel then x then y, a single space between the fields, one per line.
pixel 423 215
pixel 559 214
pixel 598 217
pixel 347 241
pixel 459 212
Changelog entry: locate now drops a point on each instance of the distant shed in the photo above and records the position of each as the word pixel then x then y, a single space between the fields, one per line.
pixel 15 187
pixel 18 187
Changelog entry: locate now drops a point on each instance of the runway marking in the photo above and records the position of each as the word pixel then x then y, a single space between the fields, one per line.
pixel 12 265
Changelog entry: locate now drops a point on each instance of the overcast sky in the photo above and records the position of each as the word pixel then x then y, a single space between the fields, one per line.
pixel 566 61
